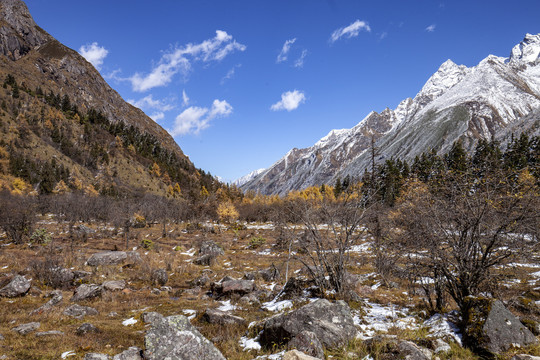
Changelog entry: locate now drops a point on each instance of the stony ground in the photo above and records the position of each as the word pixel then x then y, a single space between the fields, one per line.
pixel 171 278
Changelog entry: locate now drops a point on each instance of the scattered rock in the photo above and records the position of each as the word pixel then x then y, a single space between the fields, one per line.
pixel 525 357
pixel 151 317
pixel 24 329
pixel 174 337
pixel 18 286
pixel 441 346
pixel 214 316
pixel 297 355
pixel 410 351
pixel 86 328
pixel 133 353
pixel 270 274
pixel 49 333
pixel 308 343
pixel 56 299
pixel 205 260
pixel 201 280
pixel 86 292
pixel 78 311
pixel 332 323
pixel 294 288
pixel 114 258
pixel 492 328
pixel 233 287
pixel 159 277
pixel 250 299
pixel 208 247
pixel 114 285
pixel 96 356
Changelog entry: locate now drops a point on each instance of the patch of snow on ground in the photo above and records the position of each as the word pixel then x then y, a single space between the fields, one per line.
pixel 190 252
pixel 250 344
pixel 379 318
pixel 227 306
pixel 190 313
pixel 277 356
pixel 67 353
pixel 255 226
pixel 364 248
pixel 275 305
pixel 441 326
pixel 129 321
pixel 265 252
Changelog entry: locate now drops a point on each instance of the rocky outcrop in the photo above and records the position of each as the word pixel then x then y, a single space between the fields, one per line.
pixel 24 329
pixel 79 312
pixel 56 298
pixel 332 323
pixel 229 287
pixel 114 285
pixel 113 258
pixel 87 292
pixel 308 343
pixel 173 337
pixel 18 286
pixel 491 328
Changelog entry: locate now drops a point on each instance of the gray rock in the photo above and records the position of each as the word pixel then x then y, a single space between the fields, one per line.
pixel 233 287
pixel 86 328
pixel 57 298
pixel 78 311
pixel 201 280
pixel 24 329
pixel 133 353
pixel 270 274
pixel 297 355
pixel 410 351
pixel 86 292
pixel 49 333
pixel 96 356
pixel 18 286
pixel 525 357
pixel 492 328
pixel 214 316
pixel 151 317
pixel 174 337
pixel 332 323
pixel 308 343
pixel 114 285
pixel 107 258
pixel 441 346
pixel 208 247
pixel 205 260
pixel 159 277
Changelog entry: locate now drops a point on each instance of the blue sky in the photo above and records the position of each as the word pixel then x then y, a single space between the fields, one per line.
pixel 239 83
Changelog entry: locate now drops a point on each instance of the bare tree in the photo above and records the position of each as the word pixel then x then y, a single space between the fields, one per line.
pixel 17 216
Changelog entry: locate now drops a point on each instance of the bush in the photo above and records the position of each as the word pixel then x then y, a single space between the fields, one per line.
pixel 18 216
pixel 40 236
pixel 256 241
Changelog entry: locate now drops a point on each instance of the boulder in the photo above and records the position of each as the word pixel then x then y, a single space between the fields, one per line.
pixel 78 311
pixel 208 247
pixel 49 333
pixel 297 355
pixel 18 286
pixel 133 353
pixel 113 258
pixel 96 356
pixel 308 343
pixel 233 287
pixel 114 285
pixel 24 329
pixel 332 323
pixel 201 280
pixel 410 351
pixel 56 298
pixel 525 357
pixel 491 328
pixel 214 316
pixel 159 277
pixel 173 337
pixel 86 328
pixel 204 260
pixel 86 292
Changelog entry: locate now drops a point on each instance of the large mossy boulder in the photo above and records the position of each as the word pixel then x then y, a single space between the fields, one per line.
pixel 490 328
pixel 332 323
pixel 174 338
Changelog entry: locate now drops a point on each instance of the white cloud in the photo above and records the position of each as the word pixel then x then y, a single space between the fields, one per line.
pixel 94 54
pixel 300 61
pixel 157 116
pixel 180 59
pixel 350 31
pixel 285 50
pixel 185 99
pixel 194 118
pixel 230 74
pixel 148 102
pixel 431 28
pixel 290 100
pixel 383 35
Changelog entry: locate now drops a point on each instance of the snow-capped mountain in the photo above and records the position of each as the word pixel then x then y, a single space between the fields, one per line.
pixel 244 179
pixel 490 99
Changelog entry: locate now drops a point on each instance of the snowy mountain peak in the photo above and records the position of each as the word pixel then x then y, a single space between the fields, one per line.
pixel 527 51
pixel 446 77
pixel 244 179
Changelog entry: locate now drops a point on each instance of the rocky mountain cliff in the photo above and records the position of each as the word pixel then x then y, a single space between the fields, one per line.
pixel 55 104
pixel 496 98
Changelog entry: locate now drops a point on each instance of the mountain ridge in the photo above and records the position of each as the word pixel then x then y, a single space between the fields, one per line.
pixel 456 102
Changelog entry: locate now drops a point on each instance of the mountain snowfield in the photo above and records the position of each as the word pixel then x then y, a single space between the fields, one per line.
pixel 492 99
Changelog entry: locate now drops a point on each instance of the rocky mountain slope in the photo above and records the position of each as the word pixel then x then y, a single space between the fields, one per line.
pixel 56 105
pixel 497 97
